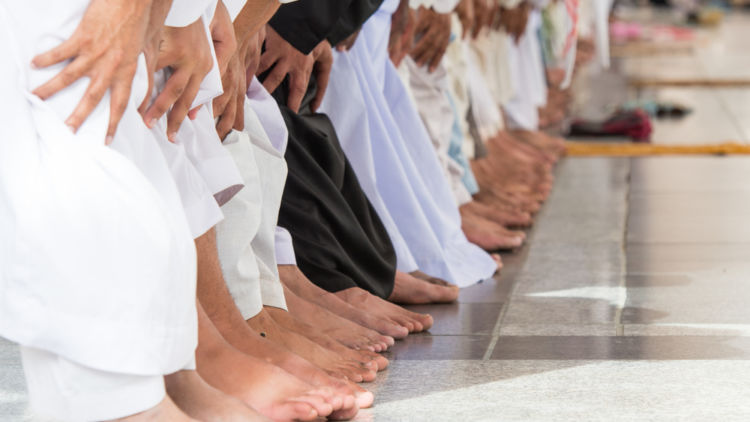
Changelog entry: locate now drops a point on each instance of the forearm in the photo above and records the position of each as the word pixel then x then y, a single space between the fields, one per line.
pixel 253 16
pixel 159 11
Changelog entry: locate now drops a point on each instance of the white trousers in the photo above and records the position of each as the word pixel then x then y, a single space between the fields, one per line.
pixel 70 392
pixel 246 237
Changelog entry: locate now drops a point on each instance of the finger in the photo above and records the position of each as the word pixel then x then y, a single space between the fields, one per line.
pixel 226 121
pixel 323 75
pixel 297 88
pixel 66 50
pixel 275 78
pixel 74 71
pixel 173 89
pixel 421 51
pixel 147 99
pixel 119 98
pixel 267 60
pixel 438 58
pixel 91 98
pixel 220 103
pixel 239 119
pixel 181 108
pixel 193 114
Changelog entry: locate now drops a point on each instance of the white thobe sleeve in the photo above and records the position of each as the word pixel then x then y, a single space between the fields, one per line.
pixel 284 248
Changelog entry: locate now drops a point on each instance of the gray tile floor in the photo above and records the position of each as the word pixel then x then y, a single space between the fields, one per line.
pixel 630 304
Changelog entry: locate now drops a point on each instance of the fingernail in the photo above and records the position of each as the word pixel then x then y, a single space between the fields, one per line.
pixel 71 127
pixel 151 123
pixel 172 137
pixel 109 140
pixel 34 66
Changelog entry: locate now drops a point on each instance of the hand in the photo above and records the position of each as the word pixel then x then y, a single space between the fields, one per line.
pixel 483 14
pixel 515 20
pixel 465 12
pixel 323 55
pixel 403 26
pixel 348 43
pixel 105 47
pixel 252 53
pixel 232 74
pixel 187 53
pixel 283 59
pixel 222 34
pixel 230 106
pixel 434 34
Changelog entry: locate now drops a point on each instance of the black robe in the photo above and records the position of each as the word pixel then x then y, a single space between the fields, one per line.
pixel 339 239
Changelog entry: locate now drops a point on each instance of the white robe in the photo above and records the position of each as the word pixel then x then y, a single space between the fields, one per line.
pixel 97 264
pixel 399 159
pixel 530 80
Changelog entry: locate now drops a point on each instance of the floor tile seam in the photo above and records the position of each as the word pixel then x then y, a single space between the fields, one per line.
pixel 511 293
pixel 501 316
pixel 732 117
pixel 623 253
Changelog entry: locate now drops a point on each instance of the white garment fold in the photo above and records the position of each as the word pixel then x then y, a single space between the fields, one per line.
pixel 97 264
pixel 407 173
pixel 530 81
pixel 429 92
pixel 246 238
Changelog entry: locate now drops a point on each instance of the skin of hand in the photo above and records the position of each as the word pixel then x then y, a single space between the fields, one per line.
pixel 283 59
pixel 465 12
pixel 515 20
pixel 253 18
pixel 232 77
pixel 186 51
pixel 483 16
pixel 154 36
pixel 249 32
pixel 434 36
pixel 348 43
pixel 105 47
pixel 403 26
pixel 323 55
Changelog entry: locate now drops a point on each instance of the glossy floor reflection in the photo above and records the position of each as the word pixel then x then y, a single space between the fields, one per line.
pixel 630 303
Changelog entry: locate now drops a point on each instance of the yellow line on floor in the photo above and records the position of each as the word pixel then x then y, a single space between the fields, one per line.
pixel 623 149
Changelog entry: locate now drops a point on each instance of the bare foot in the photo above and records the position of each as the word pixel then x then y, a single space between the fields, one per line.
pixel 333 364
pixel 381 322
pixel 362 299
pixel 166 411
pixel 413 291
pixel 290 322
pixel 258 383
pixel 430 279
pixel 487 234
pixel 498 259
pixel 499 216
pixel 346 332
pixel 205 403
